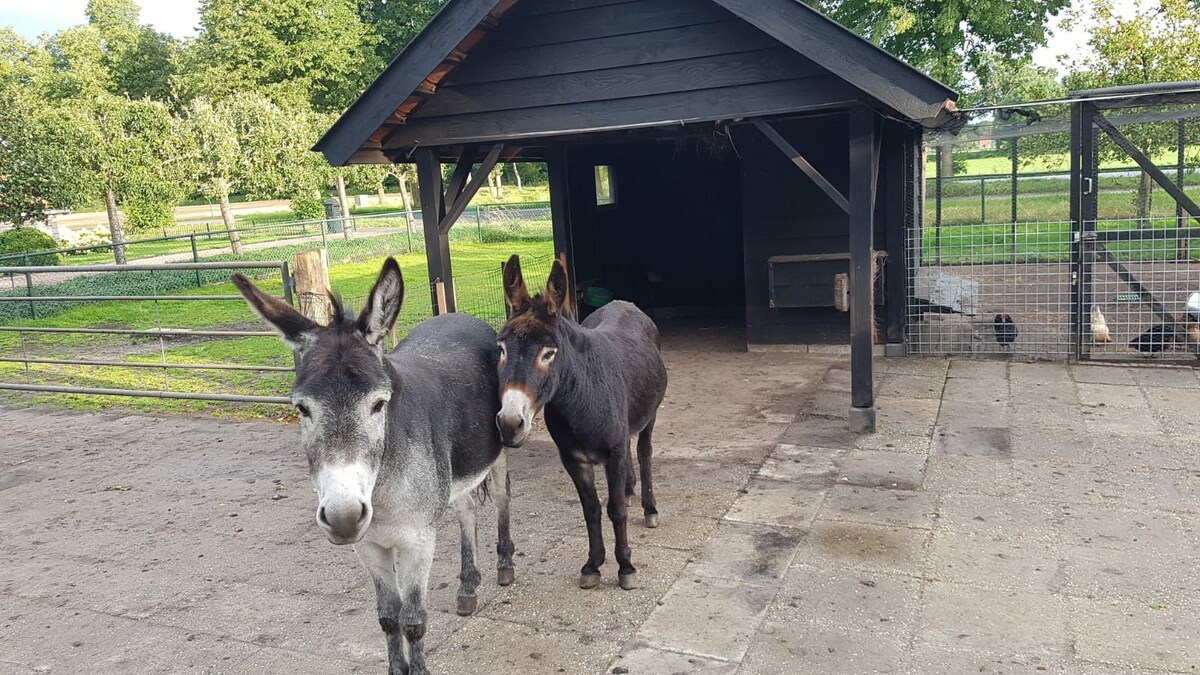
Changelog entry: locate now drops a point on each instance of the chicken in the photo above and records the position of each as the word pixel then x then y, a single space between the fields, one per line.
pixel 1100 326
pixel 1193 333
pixel 1156 339
pixel 1006 329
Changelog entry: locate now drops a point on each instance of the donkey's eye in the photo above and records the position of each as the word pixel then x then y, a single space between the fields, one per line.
pixel 378 407
pixel 548 356
pixel 303 410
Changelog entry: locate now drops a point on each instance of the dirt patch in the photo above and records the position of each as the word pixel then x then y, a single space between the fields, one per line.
pixel 856 541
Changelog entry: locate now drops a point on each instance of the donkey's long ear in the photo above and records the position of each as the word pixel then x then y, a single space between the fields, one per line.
pixel 383 304
pixel 293 327
pixel 515 292
pixel 557 297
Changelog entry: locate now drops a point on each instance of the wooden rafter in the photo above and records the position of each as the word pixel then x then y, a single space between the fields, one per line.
pixel 804 165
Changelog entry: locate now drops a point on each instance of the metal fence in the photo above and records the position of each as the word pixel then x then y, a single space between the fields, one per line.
pixel 164 331
pixel 1076 252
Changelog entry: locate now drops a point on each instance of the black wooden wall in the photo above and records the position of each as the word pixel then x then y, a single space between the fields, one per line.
pixel 677 215
pixel 558 66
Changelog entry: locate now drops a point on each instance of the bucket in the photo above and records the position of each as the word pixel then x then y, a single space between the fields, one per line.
pixel 595 296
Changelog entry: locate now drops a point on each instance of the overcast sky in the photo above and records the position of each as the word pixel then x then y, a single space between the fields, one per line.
pixel 178 17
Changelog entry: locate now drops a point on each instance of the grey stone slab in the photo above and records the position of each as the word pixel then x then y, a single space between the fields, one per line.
pixel 850 600
pixel 1107 527
pixel 781 503
pixel 782 647
pixel 645 660
pixel 791 462
pixel 865 547
pixel 880 506
pixel 899 386
pixel 1057 445
pixel 1111 395
pixel 999 517
pixel 975 369
pixel 938 660
pixel 488 646
pixel 983 441
pixel 956 616
pixel 269 660
pixel 546 595
pixel 995 563
pixel 894 442
pixel 1130 573
pixel 1157 378
pixel 746 552
pixel 1139 634
pixel 875 468
pixel 714 618
pixel 1098 374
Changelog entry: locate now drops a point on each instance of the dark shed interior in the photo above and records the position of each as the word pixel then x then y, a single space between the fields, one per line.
pixel 706 157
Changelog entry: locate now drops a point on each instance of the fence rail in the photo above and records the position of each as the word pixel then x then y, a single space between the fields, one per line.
pixel 63 356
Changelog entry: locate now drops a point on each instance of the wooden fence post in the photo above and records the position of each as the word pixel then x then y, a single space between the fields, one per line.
pixel 440 292
pixel 312 285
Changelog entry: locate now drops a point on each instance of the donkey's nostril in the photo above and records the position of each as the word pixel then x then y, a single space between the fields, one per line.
pixel 366 513
pixel 321 517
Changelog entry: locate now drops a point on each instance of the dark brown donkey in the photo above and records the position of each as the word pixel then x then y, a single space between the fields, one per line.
pixel 599 383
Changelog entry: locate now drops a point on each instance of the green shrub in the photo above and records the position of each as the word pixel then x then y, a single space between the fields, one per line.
pixel 308 207
pixel 27 240
pixel 143 215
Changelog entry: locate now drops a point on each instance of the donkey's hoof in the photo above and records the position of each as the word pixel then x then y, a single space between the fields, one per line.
pixel 467 604
pixel 589 580
pixel 651 520
pixel 628 581
pixel 505 576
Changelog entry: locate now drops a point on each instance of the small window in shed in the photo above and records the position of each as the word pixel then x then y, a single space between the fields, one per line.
pixel 606 190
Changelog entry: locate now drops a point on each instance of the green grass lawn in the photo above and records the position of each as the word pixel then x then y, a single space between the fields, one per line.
pixel 476 267
pixel 1116 205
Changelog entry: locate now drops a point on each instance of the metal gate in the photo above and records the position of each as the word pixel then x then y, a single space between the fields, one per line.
pixel 1098 261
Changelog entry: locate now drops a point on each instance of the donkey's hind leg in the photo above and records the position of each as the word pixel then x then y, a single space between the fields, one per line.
pixel 465 508
pixel 645 451
pixel 630 476
pixel 381 563
pixel 501 492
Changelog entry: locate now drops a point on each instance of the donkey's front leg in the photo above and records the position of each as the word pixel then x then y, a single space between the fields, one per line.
pixel 464 508
pixel 501 492
pixel 616 469
pixel 381 563
pixel 414 557
pixel 584 478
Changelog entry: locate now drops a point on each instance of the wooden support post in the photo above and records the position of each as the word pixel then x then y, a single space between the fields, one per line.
pixel 560 214
pixel 311 269
pixel 439 292
pixel 437 243
pixel 863 165
pixel 896 227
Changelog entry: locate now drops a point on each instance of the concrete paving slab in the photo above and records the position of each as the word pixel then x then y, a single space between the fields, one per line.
pixel 881 469
pixel 650 661
pixel 1146 635
pixel 865 547
pixel 877 506
pixel 714 618
pixel 780 503
pixel 1003 623
pixel 746 552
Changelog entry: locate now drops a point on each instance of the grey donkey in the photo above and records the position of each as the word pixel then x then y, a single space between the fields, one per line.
pixel 395 438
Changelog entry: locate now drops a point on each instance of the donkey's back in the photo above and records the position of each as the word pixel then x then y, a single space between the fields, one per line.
pixel 632 342
pixel 448 374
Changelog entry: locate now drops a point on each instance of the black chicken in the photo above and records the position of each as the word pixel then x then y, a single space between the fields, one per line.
pixel 1156 339
pixel 1006 329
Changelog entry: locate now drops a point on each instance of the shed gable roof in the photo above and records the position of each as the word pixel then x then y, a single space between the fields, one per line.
pixel 641 63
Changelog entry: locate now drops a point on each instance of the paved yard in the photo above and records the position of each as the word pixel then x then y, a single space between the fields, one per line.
pixel 1007 518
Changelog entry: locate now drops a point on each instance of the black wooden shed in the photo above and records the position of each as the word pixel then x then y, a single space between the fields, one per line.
pixel 704 155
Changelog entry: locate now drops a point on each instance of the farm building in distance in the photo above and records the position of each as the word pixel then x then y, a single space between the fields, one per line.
pixel 742 157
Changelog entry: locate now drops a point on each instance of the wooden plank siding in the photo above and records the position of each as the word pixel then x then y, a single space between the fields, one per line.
pixel 578 67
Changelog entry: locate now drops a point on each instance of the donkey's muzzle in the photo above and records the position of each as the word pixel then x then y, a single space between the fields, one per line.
pixel 344 522
pixel 514 430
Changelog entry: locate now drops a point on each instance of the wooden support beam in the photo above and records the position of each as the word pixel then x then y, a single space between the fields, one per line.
pixel 1181 198
pixel 462 171
pixel 468 193
pixel 899 146
pixel 804 165
pixel 863 162
pixel 437 243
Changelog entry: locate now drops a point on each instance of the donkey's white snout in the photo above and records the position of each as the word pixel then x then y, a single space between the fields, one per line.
pixel 515 418
pixel 344 502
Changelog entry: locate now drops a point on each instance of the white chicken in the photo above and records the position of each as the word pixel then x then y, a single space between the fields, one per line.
pixel 1100 326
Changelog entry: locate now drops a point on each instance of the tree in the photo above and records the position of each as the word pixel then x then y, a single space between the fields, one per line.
pixel 298 53
pixel 1012 80
pixel 140 61
pixel 396 23
pixel 36 175
pixel 122 150
pixel 947 38
pixel 1158 44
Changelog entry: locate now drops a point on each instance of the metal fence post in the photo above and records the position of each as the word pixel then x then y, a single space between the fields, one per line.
pixel 1012 155
pixel 478 225
pixel 937 196
pixel 196 259
pixel 29 291
pixel 982 202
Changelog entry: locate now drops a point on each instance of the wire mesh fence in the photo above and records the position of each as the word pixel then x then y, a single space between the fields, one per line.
pixel 1002 264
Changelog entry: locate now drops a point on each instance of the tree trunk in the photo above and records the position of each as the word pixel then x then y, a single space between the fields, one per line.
pixel 1144 194
pixel 500 183
pixel 380 192
pixel 114 227
pixel 406 197
pixel 520 187
pixel 235 239
pixel 345 203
